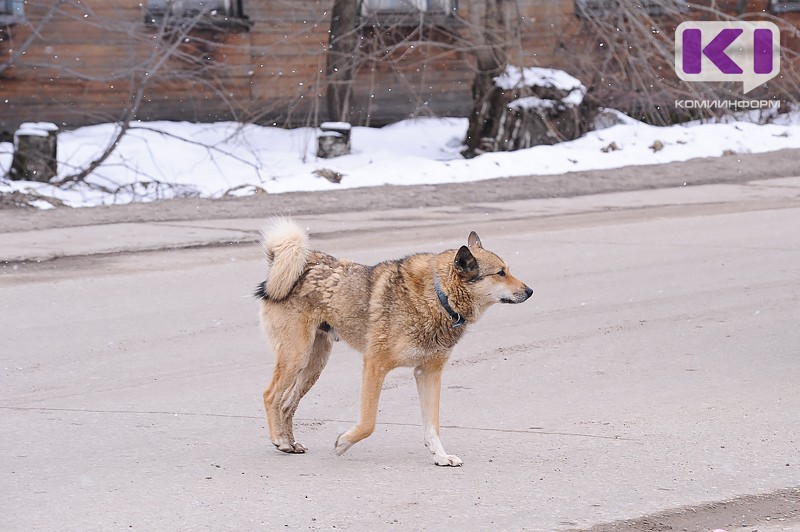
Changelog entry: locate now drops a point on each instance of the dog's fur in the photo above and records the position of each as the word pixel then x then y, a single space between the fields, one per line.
pixel 390 312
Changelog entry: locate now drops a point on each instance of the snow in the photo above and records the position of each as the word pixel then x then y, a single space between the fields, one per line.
pixel 514 77
pixel 575 97
pixel 26 131
pixel 35 129
pixel 572 99
pixel 339 126
pixel 176 159
pixel 532 102
pixel 42 126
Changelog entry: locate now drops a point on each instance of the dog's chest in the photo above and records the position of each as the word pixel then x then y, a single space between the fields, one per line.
pixel 426 341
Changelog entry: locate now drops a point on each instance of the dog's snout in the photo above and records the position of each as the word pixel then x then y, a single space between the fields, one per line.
pixel 519 297
pixel 528 292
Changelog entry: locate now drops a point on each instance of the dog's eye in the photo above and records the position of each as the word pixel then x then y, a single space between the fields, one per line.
pixel 501 273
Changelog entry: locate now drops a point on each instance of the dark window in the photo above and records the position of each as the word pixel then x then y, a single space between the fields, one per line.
pixel 205 13
pixel 408 6
pixel 400 11
pixel 600 8
pixel 12 12
pixel 784 6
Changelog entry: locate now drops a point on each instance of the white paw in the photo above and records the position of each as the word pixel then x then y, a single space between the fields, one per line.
pixel 342 445
pixel 447 460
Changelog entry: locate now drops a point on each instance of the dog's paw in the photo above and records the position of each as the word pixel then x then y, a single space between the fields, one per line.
pixel 292 448
pixel 446 460
pixel 342 445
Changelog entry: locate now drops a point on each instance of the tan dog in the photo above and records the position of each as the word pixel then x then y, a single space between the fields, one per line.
pixel 408 312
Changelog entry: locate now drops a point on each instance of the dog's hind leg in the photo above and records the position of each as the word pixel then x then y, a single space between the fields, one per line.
pixel 375 371
pixel 429 386
pixel 293 345
pixel 306 377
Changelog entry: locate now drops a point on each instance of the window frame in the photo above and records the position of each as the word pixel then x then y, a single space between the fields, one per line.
pixel 588 9
pixel 12 12
pixel 410 14
pixel 233 18
pixel 779 7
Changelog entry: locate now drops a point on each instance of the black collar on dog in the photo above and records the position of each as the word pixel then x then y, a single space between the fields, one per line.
pixel 458 319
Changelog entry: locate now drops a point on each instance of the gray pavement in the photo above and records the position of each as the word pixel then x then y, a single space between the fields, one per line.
pixel 656 367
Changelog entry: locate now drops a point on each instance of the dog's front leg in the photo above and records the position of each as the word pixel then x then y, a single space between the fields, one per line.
pixel 375 370
pixel 429 385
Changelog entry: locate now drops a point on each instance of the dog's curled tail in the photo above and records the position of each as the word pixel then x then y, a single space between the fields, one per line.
pixel 286 245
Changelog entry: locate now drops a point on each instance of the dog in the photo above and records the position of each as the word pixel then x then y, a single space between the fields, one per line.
pixel 409 312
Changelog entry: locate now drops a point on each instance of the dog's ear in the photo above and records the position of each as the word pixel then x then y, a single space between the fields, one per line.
pixel 465 263
pixel 474 240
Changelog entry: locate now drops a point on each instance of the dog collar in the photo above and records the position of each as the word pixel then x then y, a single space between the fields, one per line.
pixel 458 319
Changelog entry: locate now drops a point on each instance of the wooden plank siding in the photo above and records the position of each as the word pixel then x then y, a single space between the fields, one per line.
pixel 426 74
pixel 80 67
pixel 288 41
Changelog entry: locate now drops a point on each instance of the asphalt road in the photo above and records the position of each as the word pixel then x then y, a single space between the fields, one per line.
pixel 656 367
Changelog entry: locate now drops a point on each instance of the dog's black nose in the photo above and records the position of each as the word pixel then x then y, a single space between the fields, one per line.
pixel 528 292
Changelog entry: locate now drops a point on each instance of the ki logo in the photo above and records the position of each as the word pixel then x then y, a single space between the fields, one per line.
pixel 728 51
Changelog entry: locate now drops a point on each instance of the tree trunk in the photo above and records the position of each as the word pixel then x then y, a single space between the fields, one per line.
pixel 491 61
pixel 341 59
pixel 35 147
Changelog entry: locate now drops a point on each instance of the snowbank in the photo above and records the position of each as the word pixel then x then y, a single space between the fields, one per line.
pixel 171 159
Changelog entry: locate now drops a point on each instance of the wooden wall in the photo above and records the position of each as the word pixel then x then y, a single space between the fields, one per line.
pixel 546 25
pixel 427 74
pixel 81 66
pixel 288 41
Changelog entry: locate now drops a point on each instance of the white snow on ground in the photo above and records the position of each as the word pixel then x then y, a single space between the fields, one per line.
pixel 153 161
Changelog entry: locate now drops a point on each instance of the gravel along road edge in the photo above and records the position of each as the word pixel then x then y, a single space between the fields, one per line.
pixel 736 168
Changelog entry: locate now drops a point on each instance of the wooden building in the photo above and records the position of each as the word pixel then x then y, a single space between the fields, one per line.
pixel 90 61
